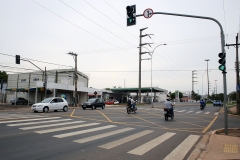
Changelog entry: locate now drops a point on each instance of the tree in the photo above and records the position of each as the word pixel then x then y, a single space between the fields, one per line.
pixel 232 95
pixel 3 76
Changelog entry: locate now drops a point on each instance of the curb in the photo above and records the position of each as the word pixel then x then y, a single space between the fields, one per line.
pixel 200 149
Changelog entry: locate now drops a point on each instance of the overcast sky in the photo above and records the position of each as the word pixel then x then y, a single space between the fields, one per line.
pixel 107 50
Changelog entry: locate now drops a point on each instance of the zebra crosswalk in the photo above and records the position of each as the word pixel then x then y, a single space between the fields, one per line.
pixel 73 128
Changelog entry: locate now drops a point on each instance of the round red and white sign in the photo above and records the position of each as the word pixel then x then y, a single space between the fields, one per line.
pixel 148 13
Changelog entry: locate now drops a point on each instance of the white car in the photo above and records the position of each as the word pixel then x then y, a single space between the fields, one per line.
pixel 116 102
pixel 53 103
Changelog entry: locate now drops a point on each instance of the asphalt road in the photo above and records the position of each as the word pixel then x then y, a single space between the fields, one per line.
pixel 108 133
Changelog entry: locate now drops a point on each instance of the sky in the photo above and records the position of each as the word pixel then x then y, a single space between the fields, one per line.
pixel 96 30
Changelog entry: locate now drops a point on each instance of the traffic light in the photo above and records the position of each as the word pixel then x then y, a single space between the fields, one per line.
pixel 17 59
pixel 222 61
pixel 44 84
pixel 131 15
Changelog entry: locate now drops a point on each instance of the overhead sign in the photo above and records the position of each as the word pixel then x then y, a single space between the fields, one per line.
pixel 148 13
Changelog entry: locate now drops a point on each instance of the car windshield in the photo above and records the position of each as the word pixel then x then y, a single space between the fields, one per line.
pixel 47 100
pixel 92 100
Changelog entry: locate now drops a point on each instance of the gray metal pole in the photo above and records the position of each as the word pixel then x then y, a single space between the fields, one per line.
pixel 139 74
pixel 45 89
pixel 223 51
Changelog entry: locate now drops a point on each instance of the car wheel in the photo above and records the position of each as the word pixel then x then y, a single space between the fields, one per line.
pixel 12 103
pixel 55 110
pixel 35 111
pixel 83 108
pixel 93 107
pixel 65 108
pixel 16 103
pixel 103 106
pixel 45 109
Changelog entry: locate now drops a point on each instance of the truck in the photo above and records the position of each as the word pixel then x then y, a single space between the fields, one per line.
pixel 217 103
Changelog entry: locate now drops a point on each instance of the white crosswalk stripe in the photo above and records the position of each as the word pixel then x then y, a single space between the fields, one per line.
pixel 83 131
pixel 66 128
pixel 51 121
pixel 151 144
pixel 24 120
pixel 207 113
pixel 180 152
pixel 181 111
pixel 125 140
pixel 50 125
pixel 198 112
pixel 189 111
pixel 216 113
pixel 92 138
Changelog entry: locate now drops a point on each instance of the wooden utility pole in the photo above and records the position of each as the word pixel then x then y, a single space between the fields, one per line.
pixel 237 75
pixel 75 78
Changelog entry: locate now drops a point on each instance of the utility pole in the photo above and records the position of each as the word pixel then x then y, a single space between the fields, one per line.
pixel 45 86
pixel 237 74
pixel 140 60
pixel 75 77
pixel 207 77
pixel 193 81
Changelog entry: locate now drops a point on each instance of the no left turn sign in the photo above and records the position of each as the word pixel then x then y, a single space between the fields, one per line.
pixel 148 13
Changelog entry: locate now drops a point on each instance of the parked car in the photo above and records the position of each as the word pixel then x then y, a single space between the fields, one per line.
pixel 109 102
pixel 115 102
pixel 48 104
pixel 94 103
pixel 20 100
pixel 217 103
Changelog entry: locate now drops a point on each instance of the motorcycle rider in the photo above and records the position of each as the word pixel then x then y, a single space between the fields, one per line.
pixel 202 103
pixel 129 102
pixel 169 105
pixel 133 103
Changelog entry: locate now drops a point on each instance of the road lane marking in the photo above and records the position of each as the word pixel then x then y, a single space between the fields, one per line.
pixel 151 144
pixel 66 128
pixel 92 138
pixel 181 111
pixel 50 125
pixel 23 120
pixel 22 124
pixel 216 113
pixel 209 125
pixel 207 113
pixel 83 131
pixel 198 112
pixel 125 140
pixel 180 152
pixel 105 116
pixel 72 113
pixel 189 111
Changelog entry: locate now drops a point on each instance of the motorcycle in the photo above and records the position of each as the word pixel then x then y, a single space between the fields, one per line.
pixel 167 114
pixel 202 106
pixel 130 109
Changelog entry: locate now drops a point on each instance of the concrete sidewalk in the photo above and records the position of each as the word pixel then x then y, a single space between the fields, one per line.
pixel 213 146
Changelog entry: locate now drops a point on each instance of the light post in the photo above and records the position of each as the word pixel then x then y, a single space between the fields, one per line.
pixel 202 81
pixel 207 76
pixel 216 87
pixel 151 69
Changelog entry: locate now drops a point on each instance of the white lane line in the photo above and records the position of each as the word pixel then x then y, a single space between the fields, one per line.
pixel 22 124
pixel 92 138
pixel 207 113
pixel 151 144
pixel 189 111
pixel 66 128
pixel 125 140
pixel 83 131
pixel 23 120
pixel 180 152
pixel 198 112
pixel 181 111
pixel 50 125
pixel 216 113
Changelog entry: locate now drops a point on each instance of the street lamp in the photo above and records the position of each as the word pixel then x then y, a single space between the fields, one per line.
pixel 207 76
pixel 151 69
pixel 202 81
pixel 216 86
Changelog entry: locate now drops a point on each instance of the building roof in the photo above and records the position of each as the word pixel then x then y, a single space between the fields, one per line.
pixel 143 90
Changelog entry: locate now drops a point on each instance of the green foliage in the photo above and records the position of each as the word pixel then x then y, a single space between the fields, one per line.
pixel 3 76
pixel 232 95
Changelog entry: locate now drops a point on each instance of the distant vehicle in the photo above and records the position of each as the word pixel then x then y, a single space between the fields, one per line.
pixel 53 103
pixel 111 102
pixel 116 102
pixel 217 103
pixel 94 103
pixel 20 100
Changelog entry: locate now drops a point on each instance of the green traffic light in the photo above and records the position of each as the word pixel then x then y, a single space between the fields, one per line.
pixel 222 68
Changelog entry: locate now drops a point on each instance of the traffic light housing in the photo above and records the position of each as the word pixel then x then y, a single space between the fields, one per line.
pixel 222 61
pixel 131 15
pixel 44 84
pixel 17 59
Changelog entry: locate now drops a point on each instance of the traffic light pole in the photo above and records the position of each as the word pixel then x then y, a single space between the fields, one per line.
pixel 223 51
pixel 237 74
